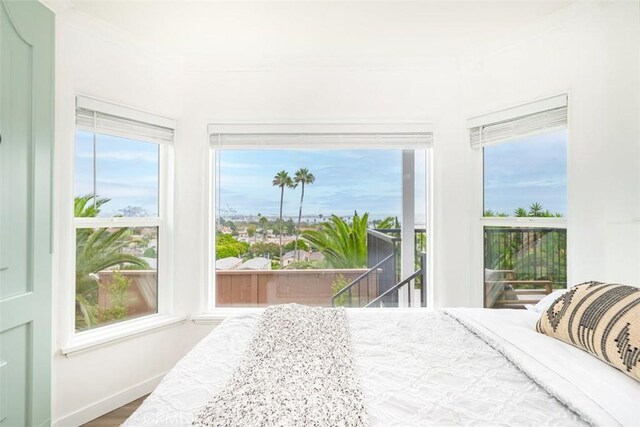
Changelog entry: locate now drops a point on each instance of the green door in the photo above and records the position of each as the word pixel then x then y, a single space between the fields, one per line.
pixel 26 127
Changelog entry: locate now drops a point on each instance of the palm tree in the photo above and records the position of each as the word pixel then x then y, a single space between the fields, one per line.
pixel 535 209
pixel 302 177
pixel 96 250
pixel 264 224
pixel 388 222
pixel 343 245
pixel 521 212
pixel 282 179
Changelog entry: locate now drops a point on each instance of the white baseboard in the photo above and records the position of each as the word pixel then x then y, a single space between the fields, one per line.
pixel 108 404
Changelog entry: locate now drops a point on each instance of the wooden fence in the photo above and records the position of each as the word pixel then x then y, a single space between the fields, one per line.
pixel 235 288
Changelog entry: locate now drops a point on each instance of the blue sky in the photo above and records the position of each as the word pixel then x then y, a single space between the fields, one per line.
pixel 126 172
pixel 346 181
pixel 531 169
pixel 525 171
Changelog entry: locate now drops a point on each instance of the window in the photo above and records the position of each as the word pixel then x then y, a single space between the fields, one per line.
pixel 118 212
pixel 319 219
pixel 524 202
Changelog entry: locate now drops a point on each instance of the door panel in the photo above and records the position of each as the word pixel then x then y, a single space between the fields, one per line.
pixel 15 153
pixel 26 129
pixel 14 351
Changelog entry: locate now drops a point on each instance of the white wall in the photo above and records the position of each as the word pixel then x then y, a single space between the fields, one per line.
pixel 96 61
pixel 589 50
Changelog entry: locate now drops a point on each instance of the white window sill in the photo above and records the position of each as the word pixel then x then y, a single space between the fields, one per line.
pixel 108 335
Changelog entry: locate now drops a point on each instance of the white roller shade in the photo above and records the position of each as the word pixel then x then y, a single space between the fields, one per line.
pixel 529 119
pixel 111 119
pixel 320 137
pixel 321 141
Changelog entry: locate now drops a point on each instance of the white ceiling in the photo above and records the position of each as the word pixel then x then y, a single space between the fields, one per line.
pixel 306 29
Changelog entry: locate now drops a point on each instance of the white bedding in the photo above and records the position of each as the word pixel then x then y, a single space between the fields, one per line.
pixel 420 368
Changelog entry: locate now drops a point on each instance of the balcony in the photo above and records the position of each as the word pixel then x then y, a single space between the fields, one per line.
pixel 522 265
pixel 329 287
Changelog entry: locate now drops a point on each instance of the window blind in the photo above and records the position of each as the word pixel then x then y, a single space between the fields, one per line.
pixel 412 140
pixel 524 120
pixel 111 119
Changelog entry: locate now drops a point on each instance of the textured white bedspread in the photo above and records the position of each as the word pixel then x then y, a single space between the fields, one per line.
pixel 418 368
pixel 601 393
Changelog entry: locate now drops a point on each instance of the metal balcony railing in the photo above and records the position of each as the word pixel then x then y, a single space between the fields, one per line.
pixel 415 281
pixel 529 253
pixel 381 285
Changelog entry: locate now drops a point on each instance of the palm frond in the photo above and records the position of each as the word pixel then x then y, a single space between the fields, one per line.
pixel 343 245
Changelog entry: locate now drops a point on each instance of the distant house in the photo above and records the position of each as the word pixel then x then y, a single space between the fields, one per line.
pixel 291 257
pixel 316 256
pixel 225 229
pixel 229 263
pixel 258 263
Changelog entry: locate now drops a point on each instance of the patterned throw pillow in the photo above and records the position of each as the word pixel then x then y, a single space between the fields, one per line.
pixel 602 319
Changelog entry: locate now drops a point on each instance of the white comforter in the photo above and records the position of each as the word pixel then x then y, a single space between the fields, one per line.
pixel 420 368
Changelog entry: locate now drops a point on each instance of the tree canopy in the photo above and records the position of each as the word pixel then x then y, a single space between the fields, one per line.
pixel 228 246
pixel 267 250
pixel 535 210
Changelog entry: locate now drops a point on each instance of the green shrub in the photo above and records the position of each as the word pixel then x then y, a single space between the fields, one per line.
pixel 339 283
pixel 118 292
pixel 228 246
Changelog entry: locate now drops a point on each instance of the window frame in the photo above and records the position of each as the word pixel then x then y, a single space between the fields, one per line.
pixel 210 313
pixel 477 264
pixel 79 341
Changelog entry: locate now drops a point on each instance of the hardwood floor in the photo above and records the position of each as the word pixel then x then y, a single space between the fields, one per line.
pixel 117 416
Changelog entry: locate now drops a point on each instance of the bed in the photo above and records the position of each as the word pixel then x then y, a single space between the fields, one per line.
pixel 422 367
